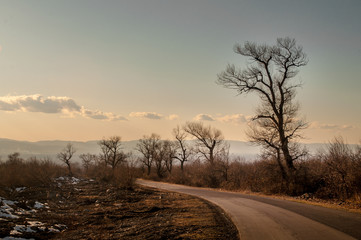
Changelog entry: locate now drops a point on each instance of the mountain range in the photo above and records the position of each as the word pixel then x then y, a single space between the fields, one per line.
pixel 49 149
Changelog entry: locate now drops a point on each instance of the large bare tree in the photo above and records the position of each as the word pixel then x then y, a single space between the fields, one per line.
pixel 271 75
pixel 66 154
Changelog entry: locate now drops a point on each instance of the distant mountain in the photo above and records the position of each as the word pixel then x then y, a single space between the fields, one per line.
pixel 49 149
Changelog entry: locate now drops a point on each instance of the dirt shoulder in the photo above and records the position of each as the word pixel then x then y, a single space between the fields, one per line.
pixel 79 209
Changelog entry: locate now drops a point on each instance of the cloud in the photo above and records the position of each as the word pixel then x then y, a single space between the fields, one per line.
pixel 204 117
pixel 149 115
pixel 326 126
pixel 52 105
pixel 173 117
pixel 38 103
pixel 96 114
pixel 234 118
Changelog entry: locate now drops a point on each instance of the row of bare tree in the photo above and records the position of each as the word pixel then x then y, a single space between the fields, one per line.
pixel 208 145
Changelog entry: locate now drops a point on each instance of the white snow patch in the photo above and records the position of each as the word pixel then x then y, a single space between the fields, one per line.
pixel 8 202
pixel 6 211
pixel 75 180
pixel 60 226
pixel 21 211
pixel 20 189
pixel 51 229
pixel 35 223
pixel 19 229
pixel 38 205
pixel 15 238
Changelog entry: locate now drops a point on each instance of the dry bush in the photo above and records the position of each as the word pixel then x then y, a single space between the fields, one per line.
pixel 340 171
pixel 17 172
pixel 332 174
pixel 123 175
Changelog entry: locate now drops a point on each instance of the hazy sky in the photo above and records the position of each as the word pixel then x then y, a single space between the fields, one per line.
pixel 84 70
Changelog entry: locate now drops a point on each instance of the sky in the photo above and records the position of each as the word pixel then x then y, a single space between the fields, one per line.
pixel 84 70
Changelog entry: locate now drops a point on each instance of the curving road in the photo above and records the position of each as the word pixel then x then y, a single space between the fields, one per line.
pixel 267 218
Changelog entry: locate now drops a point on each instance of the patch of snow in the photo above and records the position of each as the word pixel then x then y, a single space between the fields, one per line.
pixel 51 229
pixel 38 205
pixel 42 228
pixel 60 226
pixel 15 238
pixel 35 223
pixel 75 180
pixel 60 179
pixel 9 202
pixel 19 229
pixel 20 189
pixel 7 211
pixel 21 211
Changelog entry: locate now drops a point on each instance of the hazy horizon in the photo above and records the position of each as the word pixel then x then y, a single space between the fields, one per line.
pixel 87 70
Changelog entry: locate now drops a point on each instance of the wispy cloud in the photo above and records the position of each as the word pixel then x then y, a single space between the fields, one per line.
pixel 234 118
pixel 204 117
pixel 230 118
pixel 173 117
pixel 96 114
pixel 326 126
pixel 51 105
pixel 149 115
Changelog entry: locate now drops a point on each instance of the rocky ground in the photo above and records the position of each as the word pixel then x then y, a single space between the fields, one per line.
pixel 84 209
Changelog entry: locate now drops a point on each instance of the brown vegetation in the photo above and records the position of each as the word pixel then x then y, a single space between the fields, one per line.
pixel 332 174
pixel 36 201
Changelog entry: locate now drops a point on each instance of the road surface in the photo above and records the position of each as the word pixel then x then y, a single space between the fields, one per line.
pixel 266 218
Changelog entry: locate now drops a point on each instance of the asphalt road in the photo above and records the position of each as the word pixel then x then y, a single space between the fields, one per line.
pixel 267 218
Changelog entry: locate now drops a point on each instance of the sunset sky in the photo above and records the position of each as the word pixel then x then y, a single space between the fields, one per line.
pixel 84 70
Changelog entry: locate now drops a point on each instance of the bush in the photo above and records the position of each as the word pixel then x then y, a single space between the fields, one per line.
pixel 16 172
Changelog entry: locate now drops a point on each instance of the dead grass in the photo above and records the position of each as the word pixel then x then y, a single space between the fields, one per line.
pixel 94 210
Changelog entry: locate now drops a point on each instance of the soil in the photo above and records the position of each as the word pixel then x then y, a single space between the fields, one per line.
pixel 84 209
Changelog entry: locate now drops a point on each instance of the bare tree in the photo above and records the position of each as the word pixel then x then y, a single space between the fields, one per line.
pixel 169 148
pixel 112 153
pixel 88 159
pixel 66 154
pixel 147 146
pixel 183 150
pixel 209 140
pixel 210 143
pixel 275 126
pixel 14 158
pixel 223 161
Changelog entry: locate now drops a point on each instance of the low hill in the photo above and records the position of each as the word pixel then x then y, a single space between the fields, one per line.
pixel 49 149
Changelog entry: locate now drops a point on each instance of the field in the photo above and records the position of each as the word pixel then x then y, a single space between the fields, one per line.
pixel 73 208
